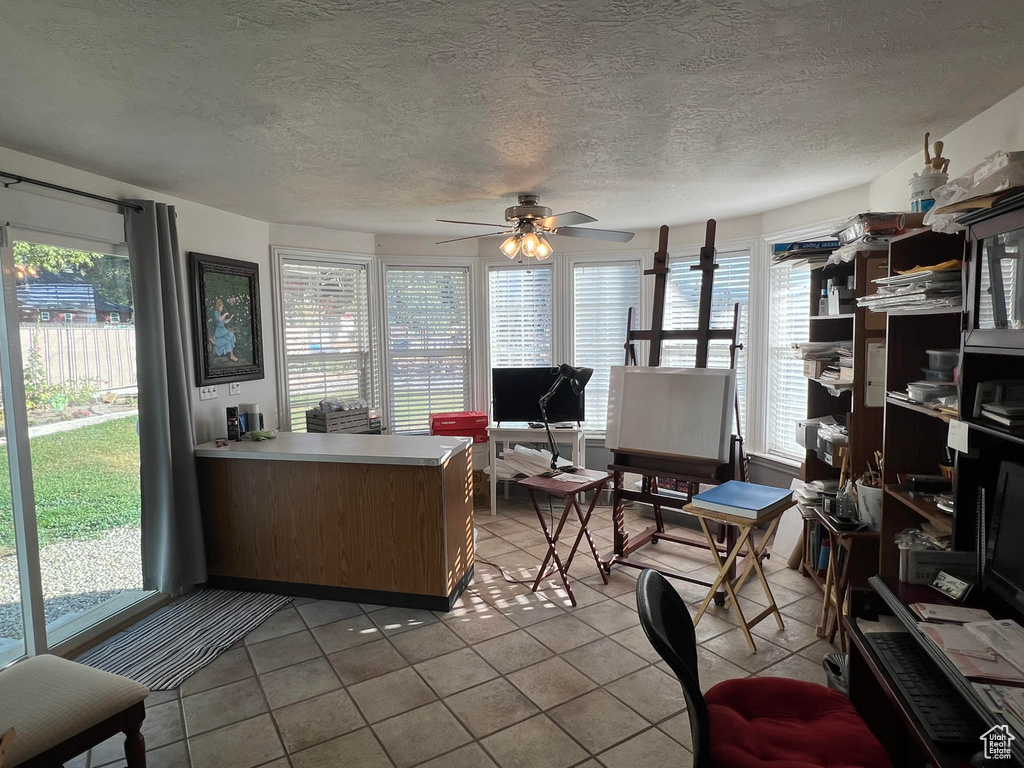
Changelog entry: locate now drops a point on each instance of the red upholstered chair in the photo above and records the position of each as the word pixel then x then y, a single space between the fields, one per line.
pixel 753 722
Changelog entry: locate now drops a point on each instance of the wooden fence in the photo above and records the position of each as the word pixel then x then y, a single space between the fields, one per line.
pixel 104 357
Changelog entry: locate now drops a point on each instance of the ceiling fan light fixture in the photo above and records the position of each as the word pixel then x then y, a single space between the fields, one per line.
pixel 530 243
pixel 543 249
pixel 511 246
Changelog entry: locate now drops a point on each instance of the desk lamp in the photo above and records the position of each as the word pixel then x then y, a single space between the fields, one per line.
pixel 577 378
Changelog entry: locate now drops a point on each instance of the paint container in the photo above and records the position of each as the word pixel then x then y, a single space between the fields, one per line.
pixel 921 186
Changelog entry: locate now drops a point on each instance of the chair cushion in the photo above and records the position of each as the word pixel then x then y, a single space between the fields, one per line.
pixel 47 700
pixel 770 722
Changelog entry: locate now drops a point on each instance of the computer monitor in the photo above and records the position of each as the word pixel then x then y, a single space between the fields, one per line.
pixel 1004 573
pixel 516 392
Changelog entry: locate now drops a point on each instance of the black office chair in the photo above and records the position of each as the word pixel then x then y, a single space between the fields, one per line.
pixel 752 722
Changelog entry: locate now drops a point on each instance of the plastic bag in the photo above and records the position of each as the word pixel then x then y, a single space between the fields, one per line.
pixel 913 538
pixel 997 172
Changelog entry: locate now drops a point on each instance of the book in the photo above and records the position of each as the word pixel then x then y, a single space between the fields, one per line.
pixel 1010 408
pixel 1004 420
pixel 972 655
pixel 949 614
pixel 744 499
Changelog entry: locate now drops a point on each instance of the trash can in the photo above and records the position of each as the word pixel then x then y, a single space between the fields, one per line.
pixel 837 669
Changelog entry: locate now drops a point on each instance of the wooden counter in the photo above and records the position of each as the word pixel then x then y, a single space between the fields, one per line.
pixel 384 519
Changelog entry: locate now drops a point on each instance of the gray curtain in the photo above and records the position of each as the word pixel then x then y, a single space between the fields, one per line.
pixel 172 534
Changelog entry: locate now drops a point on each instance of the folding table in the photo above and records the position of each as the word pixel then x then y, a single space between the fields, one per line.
pixel 745 526
pixel 571 488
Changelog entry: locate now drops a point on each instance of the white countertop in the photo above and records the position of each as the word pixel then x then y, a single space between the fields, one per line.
pixel 415 450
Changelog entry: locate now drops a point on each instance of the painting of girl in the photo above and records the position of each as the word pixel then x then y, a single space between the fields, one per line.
pixel 223 337
pixel 227 319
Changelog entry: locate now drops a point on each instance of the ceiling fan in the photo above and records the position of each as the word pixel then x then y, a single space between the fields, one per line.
pixel 527 223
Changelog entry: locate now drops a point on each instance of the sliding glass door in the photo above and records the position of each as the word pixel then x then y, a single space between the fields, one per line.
pixel 12 618
pixel 72 415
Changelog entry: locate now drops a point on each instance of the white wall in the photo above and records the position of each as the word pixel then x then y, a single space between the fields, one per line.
pixel 200 228
pixel 1000 127
pixel 320 239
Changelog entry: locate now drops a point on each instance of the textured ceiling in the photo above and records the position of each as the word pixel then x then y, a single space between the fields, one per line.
pixel 381 115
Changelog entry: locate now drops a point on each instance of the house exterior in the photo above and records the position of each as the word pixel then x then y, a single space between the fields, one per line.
pixel 64 298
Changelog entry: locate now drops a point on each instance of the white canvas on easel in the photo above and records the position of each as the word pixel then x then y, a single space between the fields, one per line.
pixel 684 412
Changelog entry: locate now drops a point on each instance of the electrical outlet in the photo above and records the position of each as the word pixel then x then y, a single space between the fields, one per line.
pixel 208 393
pixel 235 388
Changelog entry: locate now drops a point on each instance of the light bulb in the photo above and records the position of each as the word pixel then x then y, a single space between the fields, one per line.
pixel 543 249
pixel 530 244
pixel 511 246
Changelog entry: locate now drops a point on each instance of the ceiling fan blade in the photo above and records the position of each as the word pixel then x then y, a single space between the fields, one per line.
pixel 595 234
pixel 566 219
pixel 470 237
pixel 474 223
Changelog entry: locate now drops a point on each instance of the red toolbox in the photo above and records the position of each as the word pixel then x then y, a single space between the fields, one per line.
pixel 460 424
pixel 465 420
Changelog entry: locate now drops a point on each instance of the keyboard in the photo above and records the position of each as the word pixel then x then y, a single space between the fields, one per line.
pixel 938 706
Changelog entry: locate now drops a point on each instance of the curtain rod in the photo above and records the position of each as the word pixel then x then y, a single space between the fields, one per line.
pixel 16 179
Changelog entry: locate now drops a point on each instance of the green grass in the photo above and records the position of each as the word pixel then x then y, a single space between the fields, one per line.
pixel 86 481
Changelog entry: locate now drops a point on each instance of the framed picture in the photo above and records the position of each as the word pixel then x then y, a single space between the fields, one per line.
pixel 225 319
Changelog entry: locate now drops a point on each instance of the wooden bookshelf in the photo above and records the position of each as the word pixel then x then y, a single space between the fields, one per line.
pixel 846 402
pixel 914 438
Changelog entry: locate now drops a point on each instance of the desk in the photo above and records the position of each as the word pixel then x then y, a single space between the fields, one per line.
pixel 880 702
pixel 570 490
pixel 521 433
pixel 745 526
pixel 384 519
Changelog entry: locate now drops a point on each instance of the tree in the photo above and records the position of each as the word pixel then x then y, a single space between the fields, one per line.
pixel 110 275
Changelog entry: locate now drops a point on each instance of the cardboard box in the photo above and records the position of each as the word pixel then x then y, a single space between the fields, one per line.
pixel 464 420
pixel 478 435
pixel 814 368
pixel 481 489
pixel 921 566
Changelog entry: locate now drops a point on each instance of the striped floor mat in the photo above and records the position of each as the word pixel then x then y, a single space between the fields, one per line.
pixel 182 638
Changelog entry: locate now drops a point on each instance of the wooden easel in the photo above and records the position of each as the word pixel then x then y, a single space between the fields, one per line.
pixel 691 471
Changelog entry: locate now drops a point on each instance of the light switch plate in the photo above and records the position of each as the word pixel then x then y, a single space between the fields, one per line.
pixel 208 393
pixel 235 388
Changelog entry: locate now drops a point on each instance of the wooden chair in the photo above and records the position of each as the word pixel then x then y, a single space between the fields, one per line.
pixel 753 722
pixel 58 709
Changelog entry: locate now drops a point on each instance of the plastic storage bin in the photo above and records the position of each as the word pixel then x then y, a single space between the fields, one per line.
pixel 937 374
pixel 943 359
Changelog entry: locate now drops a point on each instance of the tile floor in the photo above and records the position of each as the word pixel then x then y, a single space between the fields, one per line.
pixel 509 678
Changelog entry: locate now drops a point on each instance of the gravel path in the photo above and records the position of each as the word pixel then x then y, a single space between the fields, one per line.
pixel 77 575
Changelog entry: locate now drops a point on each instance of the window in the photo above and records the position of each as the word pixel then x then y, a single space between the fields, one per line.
pixel 602 292
pixel 324 335
pixel 44 317
pixel 115 317
pixel 68 317
pixel 682 304
pixel 788 324
pixel 520 302
pixel 92 317
pixel 427 344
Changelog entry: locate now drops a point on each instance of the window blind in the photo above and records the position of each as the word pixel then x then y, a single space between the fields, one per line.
pixel 326 333
pixel 682 307
pixel 520 313
pixel 788 324
pixel 602 295
pixel 427 344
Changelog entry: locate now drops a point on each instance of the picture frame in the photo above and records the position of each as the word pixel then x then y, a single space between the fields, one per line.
pixel 226 328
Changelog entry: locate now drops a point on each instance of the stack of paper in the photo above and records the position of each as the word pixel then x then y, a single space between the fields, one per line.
pixel 982 650
pixel 525 462
pixel 918 290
